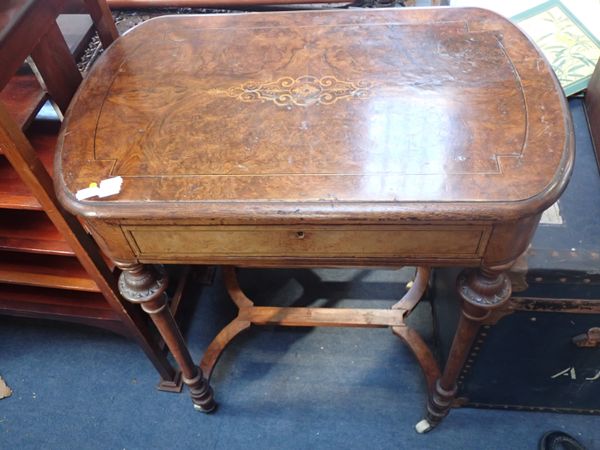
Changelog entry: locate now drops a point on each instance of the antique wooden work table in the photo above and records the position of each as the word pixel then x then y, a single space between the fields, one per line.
pixel 427 137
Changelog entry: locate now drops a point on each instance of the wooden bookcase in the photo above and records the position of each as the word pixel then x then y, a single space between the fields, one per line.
pixel 49 266
pixel 40 274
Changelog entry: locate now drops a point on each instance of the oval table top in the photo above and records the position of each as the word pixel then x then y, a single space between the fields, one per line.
pixel 392 114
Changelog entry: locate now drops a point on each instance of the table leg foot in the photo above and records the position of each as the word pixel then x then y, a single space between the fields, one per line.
pixel 202 394
pixel 440 401
pixel 423 427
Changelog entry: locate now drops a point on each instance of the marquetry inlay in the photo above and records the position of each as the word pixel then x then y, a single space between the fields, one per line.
pixel 306 90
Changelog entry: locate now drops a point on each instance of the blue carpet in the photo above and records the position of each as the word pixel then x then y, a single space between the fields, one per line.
pixel 278 388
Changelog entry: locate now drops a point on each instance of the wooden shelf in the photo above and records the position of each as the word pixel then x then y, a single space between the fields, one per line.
pixel 81 307
pixel 14 194
pixel 43 135
pixel 31 232
pixel 59 272
pixel 23 96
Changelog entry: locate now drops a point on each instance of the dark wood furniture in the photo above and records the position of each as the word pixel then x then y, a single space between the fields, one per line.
pixel 133 4
pixel 233 3
pixel 430 137
pixel 592 105
pixel 544 354
pixel 49 266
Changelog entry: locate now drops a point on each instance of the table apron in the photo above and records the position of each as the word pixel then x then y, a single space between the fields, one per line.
pixel 373 244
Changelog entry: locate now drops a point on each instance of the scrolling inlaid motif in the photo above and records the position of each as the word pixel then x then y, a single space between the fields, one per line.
pixel 306 90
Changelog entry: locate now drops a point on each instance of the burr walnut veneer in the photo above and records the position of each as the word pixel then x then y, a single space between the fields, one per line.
pixel 380 138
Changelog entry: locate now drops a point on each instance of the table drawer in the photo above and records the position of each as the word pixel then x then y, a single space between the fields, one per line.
pixel 310 241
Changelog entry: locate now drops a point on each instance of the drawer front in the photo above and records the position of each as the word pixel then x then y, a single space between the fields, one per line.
pixel 341 241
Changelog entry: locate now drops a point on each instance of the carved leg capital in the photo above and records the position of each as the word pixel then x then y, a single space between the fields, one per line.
pixel 484 290
pixel 142 284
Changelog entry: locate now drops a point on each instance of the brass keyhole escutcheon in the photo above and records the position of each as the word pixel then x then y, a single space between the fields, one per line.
pixel 300 234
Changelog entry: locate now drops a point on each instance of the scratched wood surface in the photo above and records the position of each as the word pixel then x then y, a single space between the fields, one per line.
pixel 369 111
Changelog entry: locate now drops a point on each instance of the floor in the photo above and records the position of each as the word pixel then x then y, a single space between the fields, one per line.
pixel 80 388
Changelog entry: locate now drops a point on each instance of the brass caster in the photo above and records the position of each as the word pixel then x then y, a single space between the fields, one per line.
pixel 204 410
pixel 423 426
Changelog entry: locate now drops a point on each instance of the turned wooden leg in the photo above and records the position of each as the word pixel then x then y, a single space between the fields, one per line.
pixel 146 285
pixel 481 290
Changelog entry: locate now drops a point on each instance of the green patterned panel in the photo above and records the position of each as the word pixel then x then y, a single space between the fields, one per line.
pixel 569 47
